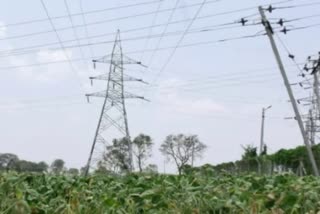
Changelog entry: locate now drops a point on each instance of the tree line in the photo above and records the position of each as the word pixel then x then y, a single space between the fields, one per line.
pixel 293 160
pixel 180 149
pixel 10 161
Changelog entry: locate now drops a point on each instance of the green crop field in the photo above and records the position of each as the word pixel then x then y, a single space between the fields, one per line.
pixel 36 193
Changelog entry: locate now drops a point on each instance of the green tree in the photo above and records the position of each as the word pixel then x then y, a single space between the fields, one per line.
pixel 151 168
pixel 117 158
pixel 8 161
pixel 182 149
pixel 57 166
pixel 42 167
pixel 142 146
pixel 250 152
pixel 73 171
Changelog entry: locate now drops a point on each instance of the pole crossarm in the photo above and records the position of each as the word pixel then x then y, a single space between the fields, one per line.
pixel 117 60
pixel 126 78
pixel 115 95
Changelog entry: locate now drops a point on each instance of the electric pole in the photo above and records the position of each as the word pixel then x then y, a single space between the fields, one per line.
pixel 113 113
pixel 262 128
pixel 270 32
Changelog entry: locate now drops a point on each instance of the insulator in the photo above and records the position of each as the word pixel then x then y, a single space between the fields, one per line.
pixel 94 64
pixel 91 82
pixel 270 9
pixel 243 21
pixel 280 22
pixel 284 30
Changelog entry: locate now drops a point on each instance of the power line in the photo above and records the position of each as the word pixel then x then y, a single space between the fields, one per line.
pixel 86 28
pixel 151 50
pixel 181 39
pixel 73 29
pixel 133 52
pixel 60 41
pixel 124 31
pixel 298 5
pixel 151 28
pixel 210 79
pixel 163 32
pixel 148 27
pixel 174 33
pixel 101 22
pixel 134 16
pixel 80 14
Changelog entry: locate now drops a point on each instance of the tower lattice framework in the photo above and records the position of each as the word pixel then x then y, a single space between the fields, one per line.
pixel 113 113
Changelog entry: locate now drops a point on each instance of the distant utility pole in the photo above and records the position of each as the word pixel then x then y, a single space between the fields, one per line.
pixel 262 128
pixel 113 113
pixel 269 31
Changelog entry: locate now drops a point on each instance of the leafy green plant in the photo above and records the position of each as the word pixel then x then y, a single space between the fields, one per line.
pixel 155 193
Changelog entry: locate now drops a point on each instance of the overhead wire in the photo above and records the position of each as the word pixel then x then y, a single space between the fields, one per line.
pixel 73 29
pixel 165 48
pixel 151 28
pixel 101 21
pixel 143 28
pixel 86 27
pixel 60 41
pixel 79 14
pixel 15 52
pixel 126 31
pixel 298 5
pixel 180 40
pixel 134 52
pixel 163 32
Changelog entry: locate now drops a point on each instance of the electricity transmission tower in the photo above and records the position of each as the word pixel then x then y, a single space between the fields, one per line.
pixel 313 116
pixel 113 113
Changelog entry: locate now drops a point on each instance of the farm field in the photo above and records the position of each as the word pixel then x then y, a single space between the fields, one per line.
pixel 40 193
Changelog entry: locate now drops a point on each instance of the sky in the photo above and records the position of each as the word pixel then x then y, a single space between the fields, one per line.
pixel 212 89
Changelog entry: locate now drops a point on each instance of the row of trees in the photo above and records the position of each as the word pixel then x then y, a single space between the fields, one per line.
pixel 285 160
pixel 180 149
pixel 10 161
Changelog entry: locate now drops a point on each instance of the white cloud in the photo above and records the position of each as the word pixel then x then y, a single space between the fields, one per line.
pixel 3 29
pixel 46 73
pixel 56 55
pixel 177 101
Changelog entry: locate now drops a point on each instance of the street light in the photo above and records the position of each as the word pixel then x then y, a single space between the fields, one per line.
pixel 262 127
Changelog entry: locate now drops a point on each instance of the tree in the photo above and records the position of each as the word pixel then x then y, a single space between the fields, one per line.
pixel 182 149
pixel 42 167
pixel 250 152
pixel 142 146
pixel 73 171
pixel 57 166
pixel 7 161
pixel 117 158
pixel 151 168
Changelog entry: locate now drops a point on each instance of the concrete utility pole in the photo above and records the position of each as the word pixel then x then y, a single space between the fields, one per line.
pixel 269 31
pixel 262 128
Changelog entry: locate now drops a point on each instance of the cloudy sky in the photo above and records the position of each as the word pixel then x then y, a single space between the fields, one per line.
pixel 207 86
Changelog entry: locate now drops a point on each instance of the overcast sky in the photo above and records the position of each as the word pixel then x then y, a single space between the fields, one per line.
pixel 214 90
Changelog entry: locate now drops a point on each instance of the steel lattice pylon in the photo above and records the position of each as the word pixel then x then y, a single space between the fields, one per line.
pixel 113 113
